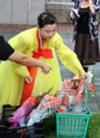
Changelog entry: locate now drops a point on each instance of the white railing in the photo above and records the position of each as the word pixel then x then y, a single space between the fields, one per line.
pixel 65 3
pixel 60 2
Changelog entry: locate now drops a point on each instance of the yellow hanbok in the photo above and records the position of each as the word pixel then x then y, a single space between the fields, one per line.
pixel 12 75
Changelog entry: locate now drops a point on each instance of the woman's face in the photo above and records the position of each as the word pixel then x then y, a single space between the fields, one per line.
pixel 48 31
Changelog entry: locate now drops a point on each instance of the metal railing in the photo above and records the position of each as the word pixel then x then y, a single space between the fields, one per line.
pixel 65 3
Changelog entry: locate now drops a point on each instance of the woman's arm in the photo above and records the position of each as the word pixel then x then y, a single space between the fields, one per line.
pixel 28 61
pixel 74 13
pixel 91 5
pixel 21 43
pixel 68 58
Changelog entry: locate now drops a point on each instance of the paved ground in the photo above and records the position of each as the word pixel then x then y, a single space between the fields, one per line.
pixel 67 35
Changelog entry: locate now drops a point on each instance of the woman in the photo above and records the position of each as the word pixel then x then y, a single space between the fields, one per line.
pixel 85 24
pixel 41 42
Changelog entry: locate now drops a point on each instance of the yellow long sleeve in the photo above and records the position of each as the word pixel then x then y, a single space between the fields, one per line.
pixel 67 56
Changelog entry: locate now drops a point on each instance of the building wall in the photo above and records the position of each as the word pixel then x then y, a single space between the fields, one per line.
pixel 26 11
pixel 62 10
pixel 20 11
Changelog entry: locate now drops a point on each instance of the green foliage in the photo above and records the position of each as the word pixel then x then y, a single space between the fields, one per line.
pixel 94 126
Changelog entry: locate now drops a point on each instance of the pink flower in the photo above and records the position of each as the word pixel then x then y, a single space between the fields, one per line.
pixel 91 87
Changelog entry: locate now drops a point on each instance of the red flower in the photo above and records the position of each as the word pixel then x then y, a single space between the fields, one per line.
pixel 91 87
pixel 75 84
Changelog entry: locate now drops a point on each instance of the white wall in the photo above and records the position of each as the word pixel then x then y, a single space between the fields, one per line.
pixel 20 11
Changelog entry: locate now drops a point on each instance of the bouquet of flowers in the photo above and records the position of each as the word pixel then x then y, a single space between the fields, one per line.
pixel 74 93
pixel 19 116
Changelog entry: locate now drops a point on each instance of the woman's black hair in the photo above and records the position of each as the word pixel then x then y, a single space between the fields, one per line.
pixel 46 18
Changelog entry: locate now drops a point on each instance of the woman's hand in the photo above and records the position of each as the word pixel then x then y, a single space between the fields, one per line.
pixel 28 79
pixel 91 5
pixel 45 68
pixel 84 75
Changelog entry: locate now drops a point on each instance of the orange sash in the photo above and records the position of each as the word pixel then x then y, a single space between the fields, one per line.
pixel 27 87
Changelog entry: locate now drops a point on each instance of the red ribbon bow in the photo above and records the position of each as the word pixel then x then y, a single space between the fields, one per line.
pixel 43 52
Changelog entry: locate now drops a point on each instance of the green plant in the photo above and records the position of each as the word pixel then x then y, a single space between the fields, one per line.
pixel 94 126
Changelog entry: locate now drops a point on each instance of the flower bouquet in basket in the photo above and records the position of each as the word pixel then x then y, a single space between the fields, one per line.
pixel 46 107
pixel 74 94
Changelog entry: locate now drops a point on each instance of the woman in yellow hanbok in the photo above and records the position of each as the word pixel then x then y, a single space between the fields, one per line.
pixel 18 82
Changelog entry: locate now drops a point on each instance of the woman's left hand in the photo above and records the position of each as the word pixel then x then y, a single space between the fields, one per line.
pixel 84 75
pixel 28 79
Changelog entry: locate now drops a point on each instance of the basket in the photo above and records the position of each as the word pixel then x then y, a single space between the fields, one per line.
pixel 71 125
pixel 35 131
